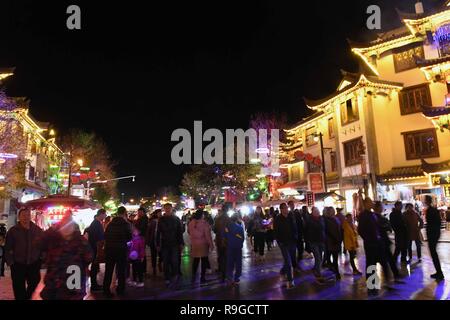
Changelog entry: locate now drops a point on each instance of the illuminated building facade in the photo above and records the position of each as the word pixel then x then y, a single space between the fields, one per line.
pixel 388 121
pixel 36 147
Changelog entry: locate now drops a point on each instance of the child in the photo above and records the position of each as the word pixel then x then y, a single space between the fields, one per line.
pixel 234 234
pixel 137 255
pixel 351 241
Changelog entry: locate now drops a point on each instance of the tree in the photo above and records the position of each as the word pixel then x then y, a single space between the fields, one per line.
pixel 94 154
pixel 13 144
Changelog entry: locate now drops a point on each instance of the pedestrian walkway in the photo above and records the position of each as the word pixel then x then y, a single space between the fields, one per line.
pixel 261 281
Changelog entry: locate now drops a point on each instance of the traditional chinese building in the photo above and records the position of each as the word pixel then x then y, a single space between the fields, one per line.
pixel 35 146
pixel 383 128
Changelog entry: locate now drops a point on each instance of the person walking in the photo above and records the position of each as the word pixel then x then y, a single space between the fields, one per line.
pixel 117 236
pixel 199 232
pixel 259 230
pixel 220 223
pixel 23 255
pixel 234 234
pixel 401 236
pixel 151 241
pixel 369 231
pixel 306 217
pixel 96 237
pixel 169 240
pixel 341 218
pixel 285 232
pixel 269 232
pixel 141 223
pixel 414 224
pixel 300 226
pixel 333 236
pixel 67 252
pixel 433 219
pixel 315 236
pixel 351 241
pixel 385 228
pixel 137 256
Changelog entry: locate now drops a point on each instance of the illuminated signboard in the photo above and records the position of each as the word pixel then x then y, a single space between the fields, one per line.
pixel 447 191
pixel 440 179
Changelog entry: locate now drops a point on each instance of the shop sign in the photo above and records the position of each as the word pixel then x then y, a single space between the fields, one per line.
pixel 447 190
pixel 310 199
pixel 440 179
pixel 315 182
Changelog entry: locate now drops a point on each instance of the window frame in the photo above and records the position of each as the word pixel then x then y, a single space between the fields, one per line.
pixel 405 91
pixel 343 106
pixel 351 162
pixel 409 155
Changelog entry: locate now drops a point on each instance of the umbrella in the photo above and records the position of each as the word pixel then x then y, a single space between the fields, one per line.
pixel 61 200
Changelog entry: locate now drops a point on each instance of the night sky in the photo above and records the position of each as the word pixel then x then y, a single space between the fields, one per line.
pixel 137 70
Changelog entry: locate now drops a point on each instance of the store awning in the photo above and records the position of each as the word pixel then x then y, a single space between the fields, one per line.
pixel 61 200
pixel 323 195
pixel 400 173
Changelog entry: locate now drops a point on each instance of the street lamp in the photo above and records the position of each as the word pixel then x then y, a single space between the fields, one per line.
pixel 80 162
pixel 89 183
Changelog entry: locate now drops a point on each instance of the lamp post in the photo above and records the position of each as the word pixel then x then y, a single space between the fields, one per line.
pixel 319 137
pixel 105 181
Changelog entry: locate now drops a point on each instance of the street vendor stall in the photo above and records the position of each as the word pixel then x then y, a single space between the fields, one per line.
pixel 50 210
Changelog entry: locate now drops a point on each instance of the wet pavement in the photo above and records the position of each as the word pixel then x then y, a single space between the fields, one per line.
pixel 261 281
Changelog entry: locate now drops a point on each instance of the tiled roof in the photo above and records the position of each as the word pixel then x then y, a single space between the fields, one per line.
pixel 435 167
pixel 403 172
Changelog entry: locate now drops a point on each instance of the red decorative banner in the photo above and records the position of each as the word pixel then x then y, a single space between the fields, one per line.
pixel 315 182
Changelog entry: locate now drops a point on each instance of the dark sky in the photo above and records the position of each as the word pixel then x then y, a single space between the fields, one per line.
pixel 140 69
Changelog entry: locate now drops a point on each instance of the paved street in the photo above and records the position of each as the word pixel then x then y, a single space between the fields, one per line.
pixel 262 281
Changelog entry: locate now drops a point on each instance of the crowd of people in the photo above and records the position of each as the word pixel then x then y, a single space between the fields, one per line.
pixel 120 243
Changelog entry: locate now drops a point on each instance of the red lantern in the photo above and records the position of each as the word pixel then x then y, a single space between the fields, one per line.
pixel 75 179
pixel 309 157
pixel 83 176
pixel 317 161
pixel 299 155
pixel 91 175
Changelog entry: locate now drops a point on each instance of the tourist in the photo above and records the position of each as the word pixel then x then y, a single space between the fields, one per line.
pixel 23 253
pixel 433 234
pixel 369 231
pixel 269 232
pixel 385 228
pixel 333 236
pixel 67 252
pixel 199 232
pixel 234 234
pixel 96 237
pixel 117 235
pixel 169 240
pixel 151 241
pixel 220 224
pixel 401 236
pixel 341 217
pixel 137 257
pixel 305 218
pixel 315 236
pixel 351 241
pixel 141 223
pixel 259 231
pixel 300 226
pixel 414 224
pixel 285 232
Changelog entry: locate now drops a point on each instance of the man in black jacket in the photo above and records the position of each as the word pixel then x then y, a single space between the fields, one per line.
pixel 401 234
pixel 23 253
pixel 117 235
pixel 169 240
pixel 433 234
pixel 95 235
pixel 299 222
pixel 285 232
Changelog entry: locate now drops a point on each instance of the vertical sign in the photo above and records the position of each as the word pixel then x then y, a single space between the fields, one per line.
pixel 315 182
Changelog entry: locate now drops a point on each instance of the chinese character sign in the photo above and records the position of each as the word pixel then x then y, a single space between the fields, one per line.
pixel 440 179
